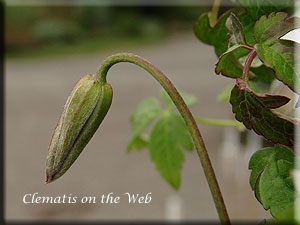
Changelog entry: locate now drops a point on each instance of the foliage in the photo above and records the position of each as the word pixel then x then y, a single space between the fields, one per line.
pixel 168 136
pixel 271 179
pixel 250 49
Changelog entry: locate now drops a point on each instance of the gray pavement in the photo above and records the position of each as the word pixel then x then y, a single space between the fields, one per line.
pixel 36 91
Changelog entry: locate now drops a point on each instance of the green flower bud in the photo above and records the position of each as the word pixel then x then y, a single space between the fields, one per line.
pixel 85 109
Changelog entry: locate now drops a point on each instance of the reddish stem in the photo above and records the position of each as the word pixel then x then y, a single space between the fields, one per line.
pixel 246 69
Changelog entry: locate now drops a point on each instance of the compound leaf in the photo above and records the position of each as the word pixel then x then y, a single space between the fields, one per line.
pixel 167 139
pixel 271 179
pixel 255 113
pixel 142 116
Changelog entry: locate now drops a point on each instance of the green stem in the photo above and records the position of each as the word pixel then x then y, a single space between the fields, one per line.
pixel 185 113
pixel 214 13
pixel 222 123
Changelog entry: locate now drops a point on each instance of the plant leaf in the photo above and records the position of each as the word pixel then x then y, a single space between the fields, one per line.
pixel 189 100
pixel 259 8
pixel 167 139
pixel 273 101
pixel 248 25
pixel 271 177
pixel 250 109
pixel 263 74
pixel 281 57
pixel 138 143
pixel 229 65
pixel 215 36
pixel 236 31
pixel 274 26
pixel 142 116
pixel 275 53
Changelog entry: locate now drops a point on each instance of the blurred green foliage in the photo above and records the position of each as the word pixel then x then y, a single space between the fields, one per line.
pixel 31 28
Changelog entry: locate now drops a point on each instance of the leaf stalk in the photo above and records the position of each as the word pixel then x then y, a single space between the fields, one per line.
pixel 220 123
pixel 248 63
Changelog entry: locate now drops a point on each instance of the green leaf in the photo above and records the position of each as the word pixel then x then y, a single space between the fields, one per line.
pixel 215 36
pixel 142 116
pixel 263 74
pixel 248 26
pixel 167 139
pixel 277 54
pixel 281 57
pixel 259 8
pixel 274 26
pixel 252 109
pixel 229 65
pixel 271 177
pixel 189 100
pixel 236 31
pixel 138 143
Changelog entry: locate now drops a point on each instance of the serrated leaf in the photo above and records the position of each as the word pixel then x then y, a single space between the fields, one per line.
pixel 142 116
pixel 250 109
pixel 167 139
pixel 229 65
pixel 274 26
pixel 259 8
pixel 281 57
pixel 274 101
pixel 215 36
pixel 189 99
pixel 271 168
pixel 236 31
pixel 277 54
pixel 248 26
pixel 138 143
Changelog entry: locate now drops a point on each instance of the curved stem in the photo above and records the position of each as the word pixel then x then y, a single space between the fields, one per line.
pixel 185 113
pixel 246 69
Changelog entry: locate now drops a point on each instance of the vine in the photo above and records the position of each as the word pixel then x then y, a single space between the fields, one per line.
pixel 252 52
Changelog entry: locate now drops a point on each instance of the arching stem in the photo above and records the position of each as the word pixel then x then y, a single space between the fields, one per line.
pixel 186 115
pixel 246 69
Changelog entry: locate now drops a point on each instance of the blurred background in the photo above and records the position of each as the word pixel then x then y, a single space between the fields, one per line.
pixel 49 48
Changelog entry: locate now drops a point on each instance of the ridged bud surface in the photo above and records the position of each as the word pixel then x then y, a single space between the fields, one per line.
pixel 84 110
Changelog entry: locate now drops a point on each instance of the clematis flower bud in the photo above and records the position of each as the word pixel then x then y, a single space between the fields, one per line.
pixel 85 109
